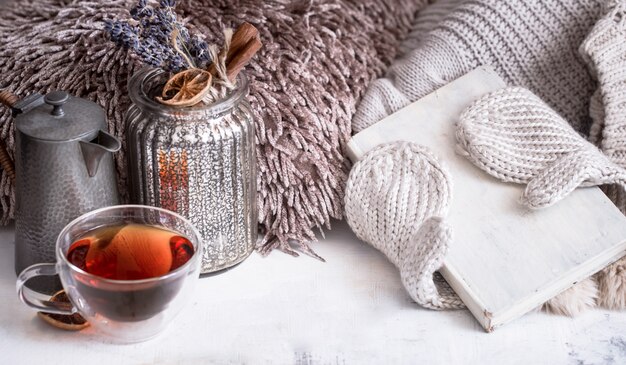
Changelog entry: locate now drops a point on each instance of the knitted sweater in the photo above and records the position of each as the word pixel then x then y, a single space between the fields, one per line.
pixel 530 43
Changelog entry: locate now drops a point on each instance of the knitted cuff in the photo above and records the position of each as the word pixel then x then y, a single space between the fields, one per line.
pixel 396 198
pixel 429 67
pixel 429 248
pixel 604 52
pixel 516 137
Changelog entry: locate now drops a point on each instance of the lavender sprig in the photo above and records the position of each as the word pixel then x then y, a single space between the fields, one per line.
pixel 149 35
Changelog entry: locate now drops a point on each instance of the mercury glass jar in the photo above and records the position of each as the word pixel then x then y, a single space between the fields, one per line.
pixel 199 162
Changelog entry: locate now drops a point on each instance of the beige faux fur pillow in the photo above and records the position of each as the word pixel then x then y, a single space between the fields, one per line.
pixel 318 57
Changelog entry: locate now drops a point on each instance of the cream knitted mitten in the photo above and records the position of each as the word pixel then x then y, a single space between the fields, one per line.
pixel 513 135
pixel 396 199
pixel 516 137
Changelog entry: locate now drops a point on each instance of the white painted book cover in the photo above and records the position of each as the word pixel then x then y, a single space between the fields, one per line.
pixel 505 260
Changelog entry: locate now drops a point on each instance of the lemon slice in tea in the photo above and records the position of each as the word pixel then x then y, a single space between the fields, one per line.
pixel 186 88
pixel 73 322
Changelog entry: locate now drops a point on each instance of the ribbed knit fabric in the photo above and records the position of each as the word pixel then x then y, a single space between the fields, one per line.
pixel 514 136
pixel 604 50
pixel 396 199
pixel 529 43
pixel 534 44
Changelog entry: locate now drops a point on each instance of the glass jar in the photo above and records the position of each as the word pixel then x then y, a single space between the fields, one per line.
pixel 197 161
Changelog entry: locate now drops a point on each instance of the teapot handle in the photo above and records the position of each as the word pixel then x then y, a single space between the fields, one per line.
pixel 9 99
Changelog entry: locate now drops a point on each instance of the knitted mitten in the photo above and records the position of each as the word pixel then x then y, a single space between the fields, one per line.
pixel 396 198
pixel 516 137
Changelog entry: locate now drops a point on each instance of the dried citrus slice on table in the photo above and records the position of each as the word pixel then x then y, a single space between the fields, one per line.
pixel 73 322
pixel 186 88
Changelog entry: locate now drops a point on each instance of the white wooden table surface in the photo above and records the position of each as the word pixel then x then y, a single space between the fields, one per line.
pixel 283 310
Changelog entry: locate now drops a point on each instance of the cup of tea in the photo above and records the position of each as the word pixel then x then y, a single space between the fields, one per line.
pixel 127 269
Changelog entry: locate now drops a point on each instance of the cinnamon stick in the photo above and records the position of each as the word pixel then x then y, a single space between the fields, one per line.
pixel 240 59
pixel 243 46
pixel 241 37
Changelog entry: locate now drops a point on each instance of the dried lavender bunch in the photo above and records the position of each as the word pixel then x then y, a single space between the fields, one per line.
pixel 149 35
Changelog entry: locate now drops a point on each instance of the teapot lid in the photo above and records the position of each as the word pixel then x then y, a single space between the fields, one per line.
pixel 61 117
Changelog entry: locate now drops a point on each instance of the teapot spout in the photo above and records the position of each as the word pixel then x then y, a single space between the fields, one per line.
pixel 94 151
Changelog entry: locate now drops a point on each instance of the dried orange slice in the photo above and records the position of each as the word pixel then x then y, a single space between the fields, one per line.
pixel 186 88
pixel 74 322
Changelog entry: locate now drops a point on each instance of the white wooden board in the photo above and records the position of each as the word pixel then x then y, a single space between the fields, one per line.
pixel 505 260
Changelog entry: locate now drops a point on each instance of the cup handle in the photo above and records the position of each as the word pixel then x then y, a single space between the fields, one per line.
pixel 27 297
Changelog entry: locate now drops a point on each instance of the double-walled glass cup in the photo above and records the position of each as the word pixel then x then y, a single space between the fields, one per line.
pixel 124 310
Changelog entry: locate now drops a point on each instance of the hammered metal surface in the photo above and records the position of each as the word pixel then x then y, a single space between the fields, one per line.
pixel 52 188
pixel 203 167
pixel 80 118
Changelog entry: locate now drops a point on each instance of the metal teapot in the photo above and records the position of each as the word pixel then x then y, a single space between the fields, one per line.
pixel 63 168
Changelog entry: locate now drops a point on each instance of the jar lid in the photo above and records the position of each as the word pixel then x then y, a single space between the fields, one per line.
pixel 62 117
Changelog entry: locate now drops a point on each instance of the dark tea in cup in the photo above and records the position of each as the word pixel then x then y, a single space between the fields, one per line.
pixel 128 270
pixel 129 252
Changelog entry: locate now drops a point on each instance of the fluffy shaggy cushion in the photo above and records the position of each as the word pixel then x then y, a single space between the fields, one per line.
pixel 317 60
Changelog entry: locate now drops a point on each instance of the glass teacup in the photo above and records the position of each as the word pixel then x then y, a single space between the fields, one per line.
pixel 128 310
